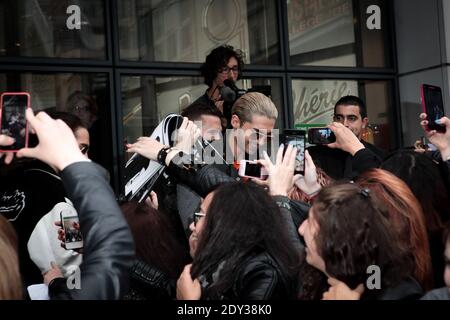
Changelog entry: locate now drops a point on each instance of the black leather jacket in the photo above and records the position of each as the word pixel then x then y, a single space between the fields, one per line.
pixel 203 179
pixel 149 283
pixel 108 252
pixel 258 278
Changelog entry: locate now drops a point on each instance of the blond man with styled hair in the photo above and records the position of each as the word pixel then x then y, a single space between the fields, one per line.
pixel 254 103
pixel 253 118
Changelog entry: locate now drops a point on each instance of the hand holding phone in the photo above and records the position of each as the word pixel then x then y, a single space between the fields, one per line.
pixel 296 138
pixel 321 136
pixel 71 226
pixel 252 169
pixel 433 106
pixel 12 119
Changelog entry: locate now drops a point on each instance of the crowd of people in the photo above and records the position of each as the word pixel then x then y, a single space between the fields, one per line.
pixel 358 224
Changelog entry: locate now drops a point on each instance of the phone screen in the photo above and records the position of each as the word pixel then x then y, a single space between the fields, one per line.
pixel 321 136
pixel 71 233
pixel 253 170
pixel 297 141
pixel 434 106
pixel 13 121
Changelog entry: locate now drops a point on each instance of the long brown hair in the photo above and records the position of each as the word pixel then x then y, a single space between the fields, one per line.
pixel 353 234
pixel 155 238
pixel 406 216
pixel 10 281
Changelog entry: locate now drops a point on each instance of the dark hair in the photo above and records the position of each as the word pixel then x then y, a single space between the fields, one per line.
pixel 241 220
pixel 354 233
pixel 424 179
pixel 70 119
pixel 217 59
pixel 155 238
pixel 446 234
pixel 77 96
pixel 194 111
pixel 352 101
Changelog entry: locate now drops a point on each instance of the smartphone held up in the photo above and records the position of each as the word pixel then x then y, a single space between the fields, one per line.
pixel 252 169
pixel 321 136
pixel 13 123
pixel 433 106
pixel 296 138
pixel 71 226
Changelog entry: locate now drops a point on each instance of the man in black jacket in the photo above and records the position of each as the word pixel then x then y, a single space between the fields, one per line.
pixel 338 162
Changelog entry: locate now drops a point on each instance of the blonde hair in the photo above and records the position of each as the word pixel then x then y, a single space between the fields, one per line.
pixel 10 281
pixel 254 103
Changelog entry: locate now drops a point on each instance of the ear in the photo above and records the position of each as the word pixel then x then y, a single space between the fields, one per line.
pixel 235 121
pixel 365 122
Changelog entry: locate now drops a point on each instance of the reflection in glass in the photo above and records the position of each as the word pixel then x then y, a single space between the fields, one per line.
pixel 335 33
pixel 77 93
pixel 186 31
pixel 321 32
pixel 43 28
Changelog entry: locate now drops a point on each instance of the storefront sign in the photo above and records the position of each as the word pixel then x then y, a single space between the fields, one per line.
pixel 314 100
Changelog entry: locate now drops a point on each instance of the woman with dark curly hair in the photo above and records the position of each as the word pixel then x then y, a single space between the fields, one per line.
pixel 222 63
pixel 346 233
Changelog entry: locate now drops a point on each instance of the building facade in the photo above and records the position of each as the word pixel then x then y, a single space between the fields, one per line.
pixel 122 65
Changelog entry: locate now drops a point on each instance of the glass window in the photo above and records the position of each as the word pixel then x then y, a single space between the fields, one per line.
pixel 85 95
pixel 325 33
pixel 146 100
pixel 54 29
pixel 314 102
pixel 186 31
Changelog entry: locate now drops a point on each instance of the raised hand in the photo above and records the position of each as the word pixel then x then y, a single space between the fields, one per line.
pixel 308 183
pixel 281 174
pixel 57 145
pixel 345 139
pixel 188 289
pixel 440 140
pixel 146 147
pixel 6 141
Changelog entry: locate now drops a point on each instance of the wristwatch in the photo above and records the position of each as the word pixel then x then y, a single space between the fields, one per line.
pixel 162 155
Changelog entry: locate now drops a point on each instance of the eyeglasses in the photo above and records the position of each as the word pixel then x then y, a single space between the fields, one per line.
pixel 227 69
pixel 197 217
pixel 84 148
